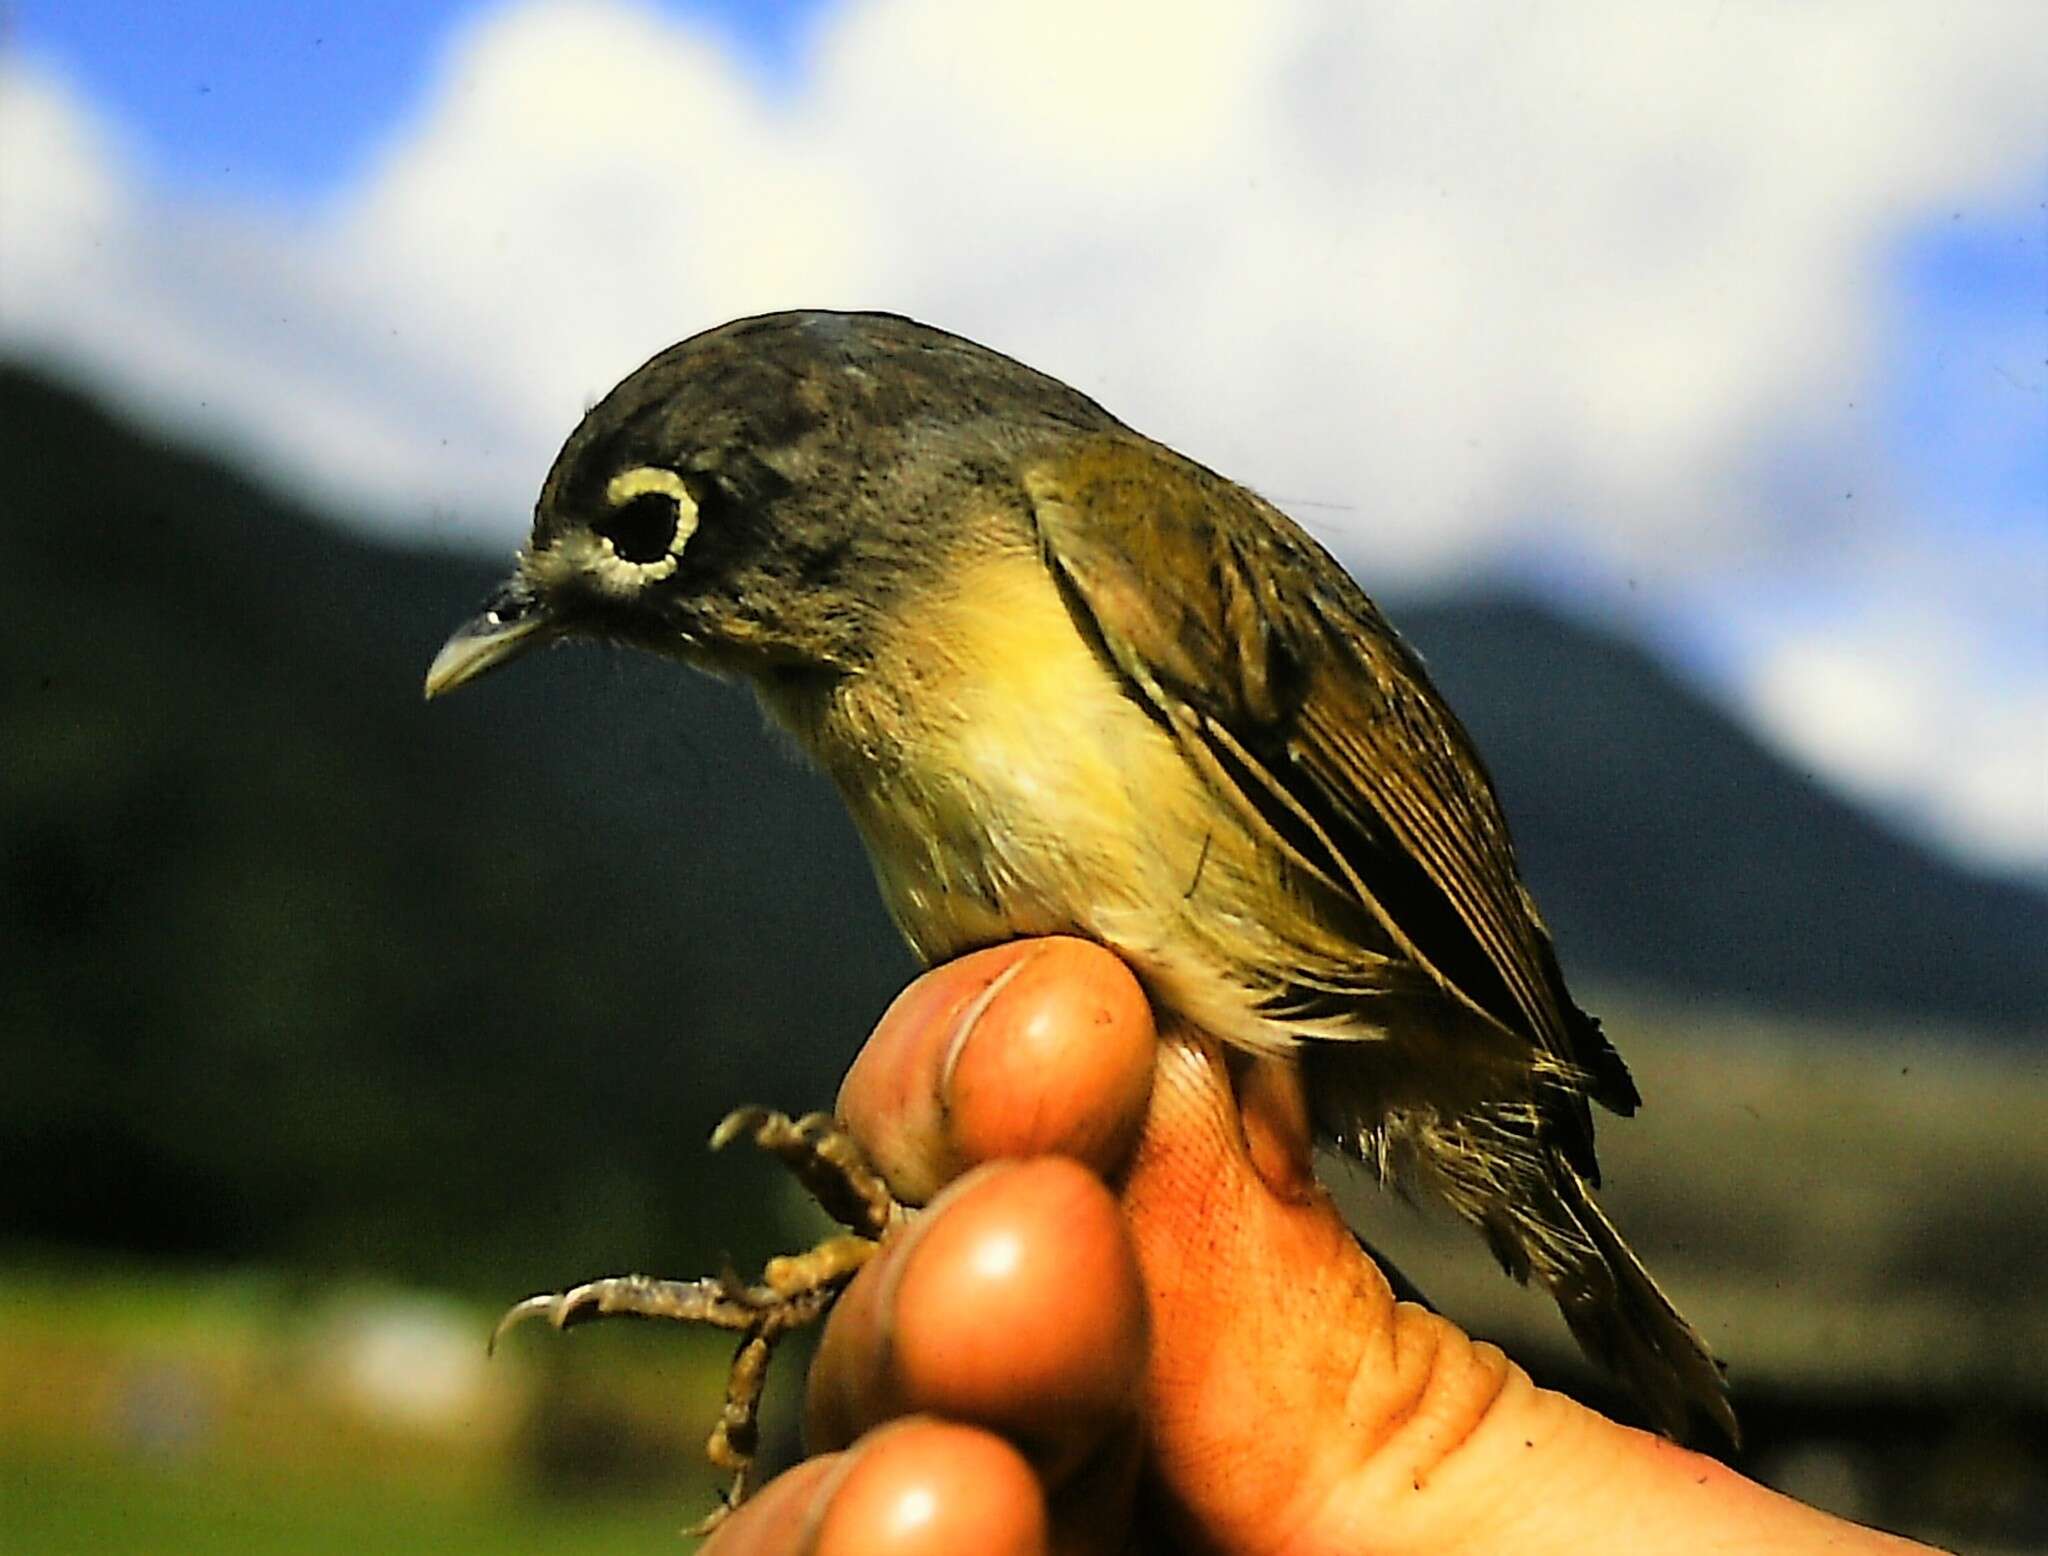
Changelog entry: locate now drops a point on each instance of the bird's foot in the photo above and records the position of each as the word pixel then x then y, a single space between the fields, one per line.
pixel 826 1161
pixel 795 1290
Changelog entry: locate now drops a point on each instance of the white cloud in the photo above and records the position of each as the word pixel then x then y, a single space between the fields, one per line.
pixel 1890 705
pixel 1451 279
pixel 237 325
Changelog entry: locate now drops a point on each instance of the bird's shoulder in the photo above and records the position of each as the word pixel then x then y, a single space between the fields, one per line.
pixel 1284 680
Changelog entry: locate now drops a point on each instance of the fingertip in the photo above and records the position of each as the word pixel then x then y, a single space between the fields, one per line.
pixel 1021 1307
pixel 1015 1301
pixel 892 1099
pixel 1031 1048
pixel 934 1488
pixel 1055 1061
pixel 780 1519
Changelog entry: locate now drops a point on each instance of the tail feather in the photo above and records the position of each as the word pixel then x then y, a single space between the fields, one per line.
pixel 1624 1321
pixel 1537 1212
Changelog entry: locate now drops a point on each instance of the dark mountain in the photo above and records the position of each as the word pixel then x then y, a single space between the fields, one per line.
pixel 296 966
pixel 1671 849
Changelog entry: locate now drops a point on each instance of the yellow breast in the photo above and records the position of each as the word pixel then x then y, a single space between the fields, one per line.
pixel 1003 777
pixel 1006 784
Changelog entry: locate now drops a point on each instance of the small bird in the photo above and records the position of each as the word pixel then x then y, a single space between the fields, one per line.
pixel 1071 682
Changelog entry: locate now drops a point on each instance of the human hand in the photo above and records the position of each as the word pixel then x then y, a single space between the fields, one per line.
pixel 1130 1320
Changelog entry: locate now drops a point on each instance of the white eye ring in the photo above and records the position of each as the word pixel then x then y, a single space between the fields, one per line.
pixel 641 480
pixel 596 559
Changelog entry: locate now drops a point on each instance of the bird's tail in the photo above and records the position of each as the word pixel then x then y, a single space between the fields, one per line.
pixel 1537 1212
pixel 1624 1321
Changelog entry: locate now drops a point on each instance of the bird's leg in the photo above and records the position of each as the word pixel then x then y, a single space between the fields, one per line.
pixel 826 1161
pixel 795 1290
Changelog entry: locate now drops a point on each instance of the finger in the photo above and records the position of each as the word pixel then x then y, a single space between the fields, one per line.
pixel 1272 1110
pixel 1015 1303
pixel 1276 1352
pixel 1037 1047
pixel 916 1488
pixel 934 1488
pixel 782 1518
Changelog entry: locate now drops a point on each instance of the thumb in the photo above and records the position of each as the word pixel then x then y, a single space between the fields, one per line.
pixel 1285 1379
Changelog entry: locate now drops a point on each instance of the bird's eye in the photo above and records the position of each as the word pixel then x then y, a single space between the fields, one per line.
pixel 651 516
pixel 640 528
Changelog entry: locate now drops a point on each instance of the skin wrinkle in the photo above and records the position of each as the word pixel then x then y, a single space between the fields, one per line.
pixel 1472 1483
pixel 1498 1369
pixel 1468 1387
pixel 1514 1407
pixel 1365 1446
pixel 1449 1404
pixel 1408 1403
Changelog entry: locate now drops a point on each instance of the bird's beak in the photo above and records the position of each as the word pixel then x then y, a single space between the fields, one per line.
pixel 512 621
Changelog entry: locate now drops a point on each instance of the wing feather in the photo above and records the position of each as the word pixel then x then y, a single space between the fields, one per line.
pixel 1287 686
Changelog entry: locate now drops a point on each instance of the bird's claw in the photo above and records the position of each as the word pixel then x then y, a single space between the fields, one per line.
pixel 826 1160
pixel 718 1300
pixel 795 1290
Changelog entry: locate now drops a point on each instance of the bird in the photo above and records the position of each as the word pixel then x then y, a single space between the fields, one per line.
pixel 1069 681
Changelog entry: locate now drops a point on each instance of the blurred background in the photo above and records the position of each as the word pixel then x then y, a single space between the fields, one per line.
pixel 1676 374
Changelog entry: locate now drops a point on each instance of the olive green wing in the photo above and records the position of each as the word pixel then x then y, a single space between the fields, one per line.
pixel 1285 684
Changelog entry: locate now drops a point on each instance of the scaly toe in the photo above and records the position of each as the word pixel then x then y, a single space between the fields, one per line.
pixel 795 1290
pixel 742 1121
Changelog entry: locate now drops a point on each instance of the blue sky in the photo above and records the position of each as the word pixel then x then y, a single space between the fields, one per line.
pixel 1727 320
pixel 288 98
pixel 1967 405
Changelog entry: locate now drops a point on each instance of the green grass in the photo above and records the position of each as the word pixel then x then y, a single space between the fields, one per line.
pixel 145 1410
pixel 78 1503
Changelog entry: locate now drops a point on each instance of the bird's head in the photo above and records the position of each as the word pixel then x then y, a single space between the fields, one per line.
pixel 756 498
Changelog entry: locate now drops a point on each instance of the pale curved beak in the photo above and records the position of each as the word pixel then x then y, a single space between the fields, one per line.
pixel 512 621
